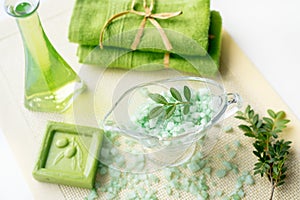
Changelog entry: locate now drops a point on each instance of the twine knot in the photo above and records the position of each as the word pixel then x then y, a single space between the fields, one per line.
pixel 148 15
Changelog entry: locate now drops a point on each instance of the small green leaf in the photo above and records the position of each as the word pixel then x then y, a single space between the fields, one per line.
pixel 186 109
pixel 249 135
pixel 176 94
pixel 251 114
pixel 155 112
pixel 170 111
pixel 187 93
pixel 280 183
pixel 280 115
pixel 271 113
pixel 158 98
pixel 240 117
pixel 240 113
pixel 257 153
pixel 248 108
pixel 245 128
pixel 268 120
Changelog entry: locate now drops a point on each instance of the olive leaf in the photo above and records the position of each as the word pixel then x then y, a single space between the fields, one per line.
pixel 155 112
pixel 187 93
pixel 158 98
pixel 186 109
pixel 170 111
pixel 176 94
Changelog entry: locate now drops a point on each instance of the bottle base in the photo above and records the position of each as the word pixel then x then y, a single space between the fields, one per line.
pixel 56 101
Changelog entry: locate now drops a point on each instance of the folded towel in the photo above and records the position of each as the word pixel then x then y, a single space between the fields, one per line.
pixel 123 58
pixel 89 16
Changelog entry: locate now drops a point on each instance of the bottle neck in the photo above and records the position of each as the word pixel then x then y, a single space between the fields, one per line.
pixel 35 40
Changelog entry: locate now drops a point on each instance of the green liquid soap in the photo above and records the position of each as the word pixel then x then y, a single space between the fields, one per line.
pixel 23 8
pixel 50 83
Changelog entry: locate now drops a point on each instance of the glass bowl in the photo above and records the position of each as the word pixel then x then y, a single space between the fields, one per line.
pixel 137 141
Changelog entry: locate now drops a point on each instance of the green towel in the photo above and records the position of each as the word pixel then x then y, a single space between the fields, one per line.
pixel 89 16
pixel 203 65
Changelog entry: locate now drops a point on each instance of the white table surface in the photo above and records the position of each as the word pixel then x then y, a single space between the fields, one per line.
pixel 267 31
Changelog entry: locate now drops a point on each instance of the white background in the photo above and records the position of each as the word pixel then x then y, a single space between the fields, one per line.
pixel 268 31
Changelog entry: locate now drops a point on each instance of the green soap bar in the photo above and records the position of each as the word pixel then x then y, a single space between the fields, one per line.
pixel 68 155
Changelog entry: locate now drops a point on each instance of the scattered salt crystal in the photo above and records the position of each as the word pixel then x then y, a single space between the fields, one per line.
pixel 193 166
pixel 170 125
pixel 249 180
pixel 228 129
pixel 227 165
pixel 221 173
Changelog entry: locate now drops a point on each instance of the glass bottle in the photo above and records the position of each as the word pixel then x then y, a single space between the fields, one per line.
pixel 50 83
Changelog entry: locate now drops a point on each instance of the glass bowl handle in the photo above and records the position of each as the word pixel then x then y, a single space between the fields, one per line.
pixel 234 103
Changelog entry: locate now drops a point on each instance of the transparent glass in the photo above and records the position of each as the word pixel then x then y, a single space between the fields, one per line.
pixel 50 83
pixel 131 144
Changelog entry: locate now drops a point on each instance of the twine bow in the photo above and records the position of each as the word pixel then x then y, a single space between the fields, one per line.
pixel 148 15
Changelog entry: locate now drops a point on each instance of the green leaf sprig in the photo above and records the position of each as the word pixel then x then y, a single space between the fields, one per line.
pixel 168 108
pixel 270 151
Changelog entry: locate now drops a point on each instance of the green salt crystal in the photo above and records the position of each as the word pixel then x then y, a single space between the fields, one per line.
pixel 237 143
pixel 199 197
pixel 203 186
pixel 219 193
pixel 227 165
pixel 193 189
pixel 235 170
pixel 221 173
pixel 176 194
pixel 220 155
pixel 174 184
pixel 153 178
pixel 103 189
pixel 235 197
pixel 110 196
pixel 241 193
pixel 245 173
pixel 103 170
pixel 227 147
pixel 204 194
pixel 97 185
pixel 114 173
pixel 207 170
pixel 131 195
pixel 168 190
pixel 228 129
pixel 249 180
pixel 168 174
pixel 141 191
pixel 150 196
pixel 232 154
pixel 193 166
pixel 92 195
pixel 202 163
pixel 199 155
pixel 239 185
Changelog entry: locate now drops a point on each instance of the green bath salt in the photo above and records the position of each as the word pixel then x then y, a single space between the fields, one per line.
pixel 172 113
